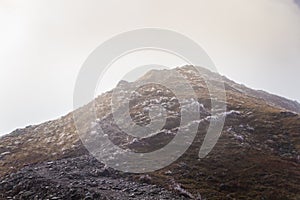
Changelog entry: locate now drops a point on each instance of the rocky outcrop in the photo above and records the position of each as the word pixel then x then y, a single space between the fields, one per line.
pixel 76 178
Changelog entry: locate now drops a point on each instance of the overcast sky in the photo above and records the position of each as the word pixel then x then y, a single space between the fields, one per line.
pixel 44 43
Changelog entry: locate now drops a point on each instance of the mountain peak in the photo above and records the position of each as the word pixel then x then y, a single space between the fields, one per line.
pixel 257 154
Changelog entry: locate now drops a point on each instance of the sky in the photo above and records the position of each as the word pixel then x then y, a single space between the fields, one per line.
pixel 43 45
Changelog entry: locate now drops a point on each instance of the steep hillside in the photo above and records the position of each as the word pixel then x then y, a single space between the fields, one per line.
pixel 271 99
pixel 256 157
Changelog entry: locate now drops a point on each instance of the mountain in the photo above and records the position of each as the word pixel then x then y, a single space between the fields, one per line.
pixel 256 157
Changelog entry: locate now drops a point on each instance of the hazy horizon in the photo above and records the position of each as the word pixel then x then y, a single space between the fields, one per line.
pixel 44 44
pixel 101 92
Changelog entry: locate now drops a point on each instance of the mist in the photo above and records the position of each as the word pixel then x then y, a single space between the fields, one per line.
pixel 44 44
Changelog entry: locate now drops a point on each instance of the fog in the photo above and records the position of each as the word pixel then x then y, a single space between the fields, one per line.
pixel 44 44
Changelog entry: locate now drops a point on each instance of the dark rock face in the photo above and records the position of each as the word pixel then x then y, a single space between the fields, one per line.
pixel 76 178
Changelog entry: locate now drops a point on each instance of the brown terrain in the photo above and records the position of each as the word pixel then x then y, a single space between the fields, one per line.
pixel 256 157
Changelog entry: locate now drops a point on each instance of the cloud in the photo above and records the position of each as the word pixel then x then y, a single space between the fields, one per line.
pixel 44 43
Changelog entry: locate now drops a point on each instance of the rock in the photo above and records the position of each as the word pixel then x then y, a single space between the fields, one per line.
pixel 104 172
pixel 224 186
pixel 240 138
pixel 270 142
pixel 168 172
pixel 275 137
pixel 288 114
pixel 199 197
pixel 42 183
pixel 145 178
pixel 5 153
pixel 88 196
pixel 27 194
pixel 181 191
pixel 132 195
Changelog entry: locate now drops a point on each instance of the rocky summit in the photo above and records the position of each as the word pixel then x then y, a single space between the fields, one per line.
pixel 257 155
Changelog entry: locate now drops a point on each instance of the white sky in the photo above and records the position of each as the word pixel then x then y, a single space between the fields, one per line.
pixel 44 43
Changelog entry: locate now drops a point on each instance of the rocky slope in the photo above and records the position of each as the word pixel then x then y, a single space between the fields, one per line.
pixel 77 178
pixel 256 157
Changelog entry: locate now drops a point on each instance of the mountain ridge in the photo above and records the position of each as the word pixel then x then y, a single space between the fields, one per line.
pixel 258 134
